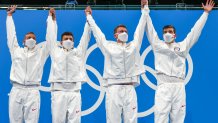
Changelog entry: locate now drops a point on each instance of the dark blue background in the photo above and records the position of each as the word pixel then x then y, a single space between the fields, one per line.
pixel 202 90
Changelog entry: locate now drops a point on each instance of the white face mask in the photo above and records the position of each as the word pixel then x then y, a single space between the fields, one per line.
pixel 68 44
pixel 168 37
pixel 30 43
pixel 123 37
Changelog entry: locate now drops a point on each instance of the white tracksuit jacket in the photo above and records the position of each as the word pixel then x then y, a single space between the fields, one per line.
pixel 67 66
pixel 170 59
pixel 120 62
pixel 27 65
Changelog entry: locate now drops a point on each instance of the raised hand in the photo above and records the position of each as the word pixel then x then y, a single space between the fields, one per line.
pixel 11 10
pixel 143 3
pixel 88 10
pixel 208 6
pixel 52 13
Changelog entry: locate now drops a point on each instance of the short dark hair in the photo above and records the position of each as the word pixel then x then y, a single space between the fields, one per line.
pixel 30 33
pixel 66 33
pixel 121 25
pixel 170 26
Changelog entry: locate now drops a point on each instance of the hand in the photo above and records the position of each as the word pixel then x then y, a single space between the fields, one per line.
pixel 11 10
pixel 208 6
pixel 143 3
pixel 88 10
pixel 52 13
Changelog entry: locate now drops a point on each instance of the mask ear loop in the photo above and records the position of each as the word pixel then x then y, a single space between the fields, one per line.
pixel 35 42
pixel 174 36
pixel 24 41
pixel 117 35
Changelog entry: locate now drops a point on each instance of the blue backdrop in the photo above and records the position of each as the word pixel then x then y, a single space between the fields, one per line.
pixel 202 92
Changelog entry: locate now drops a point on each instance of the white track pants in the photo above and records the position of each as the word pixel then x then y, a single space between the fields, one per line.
pixel 24 105
pixel 121 102
pixel 66 107
pixel 170 99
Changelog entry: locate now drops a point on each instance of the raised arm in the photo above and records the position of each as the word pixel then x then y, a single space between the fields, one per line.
pixel 43 46
pixel 139 33
pixel 193 36
pixel 150 31
pixel 98 34
pixel 84 41
pixel 51 35
pixel 11 33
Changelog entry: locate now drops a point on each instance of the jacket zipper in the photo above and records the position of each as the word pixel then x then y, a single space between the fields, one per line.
pixel 26 67
pixel 124 61
pixel 67 67
pixel 172 67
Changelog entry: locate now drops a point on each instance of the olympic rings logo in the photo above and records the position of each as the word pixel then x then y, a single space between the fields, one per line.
pixel 144 78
